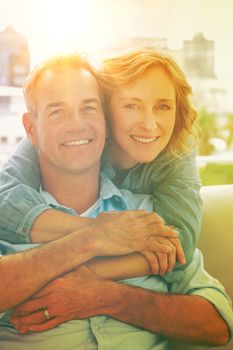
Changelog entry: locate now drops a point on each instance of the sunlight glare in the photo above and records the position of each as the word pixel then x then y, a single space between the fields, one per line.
pixel 73 25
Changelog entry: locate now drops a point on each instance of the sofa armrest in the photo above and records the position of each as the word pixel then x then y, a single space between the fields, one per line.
pixel 216 238
pixel 216 243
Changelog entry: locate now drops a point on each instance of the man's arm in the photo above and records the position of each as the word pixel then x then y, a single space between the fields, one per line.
pixel 187 318
pixel 24 273
pixel 40 265
pixel 197 311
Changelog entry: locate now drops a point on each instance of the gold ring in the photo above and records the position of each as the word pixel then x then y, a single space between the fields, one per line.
pixel 46 314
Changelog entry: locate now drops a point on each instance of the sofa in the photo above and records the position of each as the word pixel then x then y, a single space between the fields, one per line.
pixel 216 242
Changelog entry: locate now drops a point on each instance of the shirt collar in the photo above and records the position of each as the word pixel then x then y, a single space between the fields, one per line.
pixel 109 170
pixel 107 191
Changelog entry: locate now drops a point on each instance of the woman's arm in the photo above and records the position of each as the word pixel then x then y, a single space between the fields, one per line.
pixel 53 224
pixel 175 187
pixel 20 202
pixel 25 217
pixel 22 167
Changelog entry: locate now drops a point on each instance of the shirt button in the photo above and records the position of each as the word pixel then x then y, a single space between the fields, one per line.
pixel 24 230
pixel 117 201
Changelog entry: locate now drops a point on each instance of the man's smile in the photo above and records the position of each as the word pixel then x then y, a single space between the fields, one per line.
pixel 77 142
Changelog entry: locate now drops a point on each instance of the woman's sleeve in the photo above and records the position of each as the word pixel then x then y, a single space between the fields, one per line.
pixel 20 201
pixel 176 198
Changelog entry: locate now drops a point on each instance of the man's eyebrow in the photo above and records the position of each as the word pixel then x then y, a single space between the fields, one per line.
pixel 54 105
pixel 91 100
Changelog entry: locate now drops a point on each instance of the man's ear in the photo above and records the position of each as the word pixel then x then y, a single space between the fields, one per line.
pixel 30 128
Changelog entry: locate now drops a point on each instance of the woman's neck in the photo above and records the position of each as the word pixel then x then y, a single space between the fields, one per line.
pixel 119 159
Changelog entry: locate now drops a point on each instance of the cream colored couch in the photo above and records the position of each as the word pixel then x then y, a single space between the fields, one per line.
pixel 216 241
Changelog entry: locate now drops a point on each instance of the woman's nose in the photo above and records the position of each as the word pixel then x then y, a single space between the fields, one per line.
pixel 149 120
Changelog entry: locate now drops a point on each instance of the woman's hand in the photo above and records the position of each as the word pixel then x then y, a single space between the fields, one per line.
pixel 163 263
pixel 120 233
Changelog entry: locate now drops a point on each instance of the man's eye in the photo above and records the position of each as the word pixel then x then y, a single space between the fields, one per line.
pixel 132 106
pixel 89 109
pixel 57 112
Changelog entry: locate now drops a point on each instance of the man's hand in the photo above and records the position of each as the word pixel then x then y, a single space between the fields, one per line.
pixel 76 295
pixel 120 233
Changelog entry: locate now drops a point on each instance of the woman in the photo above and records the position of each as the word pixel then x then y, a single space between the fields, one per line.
pixel 152 135
pixel 149 150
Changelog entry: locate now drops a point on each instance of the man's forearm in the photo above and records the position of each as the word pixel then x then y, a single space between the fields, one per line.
pixel 42 264
pixel 185 318
pixel 24 273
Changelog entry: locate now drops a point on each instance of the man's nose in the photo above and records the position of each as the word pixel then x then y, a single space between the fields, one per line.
pixel 76 120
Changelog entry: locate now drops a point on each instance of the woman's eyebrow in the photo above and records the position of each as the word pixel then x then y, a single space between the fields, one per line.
pixel 130 98
pixel 171 100
pixel 137 99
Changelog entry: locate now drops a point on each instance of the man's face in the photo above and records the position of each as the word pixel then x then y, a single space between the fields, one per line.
pixel 69 127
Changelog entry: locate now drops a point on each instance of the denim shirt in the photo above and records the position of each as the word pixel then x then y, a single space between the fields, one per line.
pixel 102 332
pixel 172 182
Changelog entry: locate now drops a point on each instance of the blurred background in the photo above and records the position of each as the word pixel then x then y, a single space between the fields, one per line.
pixel 198 34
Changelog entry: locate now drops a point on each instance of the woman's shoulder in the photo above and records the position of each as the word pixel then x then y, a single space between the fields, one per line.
pixel 167 166
pixel 169 160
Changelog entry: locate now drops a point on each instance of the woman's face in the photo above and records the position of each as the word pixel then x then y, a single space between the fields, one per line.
pixel 142 119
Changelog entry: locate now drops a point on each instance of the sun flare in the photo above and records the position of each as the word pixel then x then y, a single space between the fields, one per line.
pixel 73 25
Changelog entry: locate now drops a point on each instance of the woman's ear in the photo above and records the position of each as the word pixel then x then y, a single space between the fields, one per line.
pixel 30 128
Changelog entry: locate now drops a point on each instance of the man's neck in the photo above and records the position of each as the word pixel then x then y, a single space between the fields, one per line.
pixel 77 191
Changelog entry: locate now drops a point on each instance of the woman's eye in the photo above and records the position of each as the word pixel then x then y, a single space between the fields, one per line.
pixel 132 106
pixel 164 107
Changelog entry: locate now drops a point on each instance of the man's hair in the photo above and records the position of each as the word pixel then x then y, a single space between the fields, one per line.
pixel 55 63
pixel 126 68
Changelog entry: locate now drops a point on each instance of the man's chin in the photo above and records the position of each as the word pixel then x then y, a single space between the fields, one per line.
pixel 80 168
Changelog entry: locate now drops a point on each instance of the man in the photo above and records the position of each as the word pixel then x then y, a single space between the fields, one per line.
pixel 67 126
